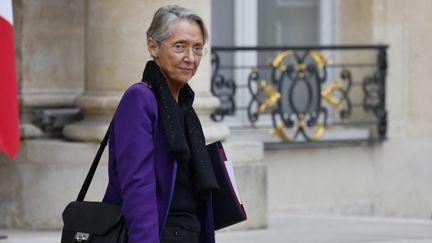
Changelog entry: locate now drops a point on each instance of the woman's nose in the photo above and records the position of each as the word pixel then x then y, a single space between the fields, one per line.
pixel 189 55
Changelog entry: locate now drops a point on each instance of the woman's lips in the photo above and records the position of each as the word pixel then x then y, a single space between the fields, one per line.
pixel 186 70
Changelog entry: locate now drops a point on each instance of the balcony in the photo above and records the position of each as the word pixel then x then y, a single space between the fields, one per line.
pixel 302 95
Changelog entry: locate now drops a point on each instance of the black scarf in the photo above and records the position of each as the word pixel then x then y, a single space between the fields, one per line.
pixel 203 173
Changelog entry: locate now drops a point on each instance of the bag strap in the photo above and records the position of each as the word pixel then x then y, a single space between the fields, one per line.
pixel 93 167
pixel 98 156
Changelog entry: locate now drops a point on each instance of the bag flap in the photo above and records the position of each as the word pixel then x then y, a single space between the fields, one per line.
pixel 91 217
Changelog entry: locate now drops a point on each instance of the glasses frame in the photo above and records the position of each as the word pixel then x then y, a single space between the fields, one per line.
pixel 204 49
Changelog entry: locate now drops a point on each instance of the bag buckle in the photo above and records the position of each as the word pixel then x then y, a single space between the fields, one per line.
pixel 80 237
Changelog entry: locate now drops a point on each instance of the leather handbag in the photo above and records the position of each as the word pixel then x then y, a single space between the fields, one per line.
pixel 93 222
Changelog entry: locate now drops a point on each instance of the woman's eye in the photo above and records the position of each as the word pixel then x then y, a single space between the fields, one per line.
pixel 179 47
pixel 198 48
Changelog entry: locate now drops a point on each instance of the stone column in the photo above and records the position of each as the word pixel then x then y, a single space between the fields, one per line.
pixel 50 49
pixel 116 54
pixel 46 174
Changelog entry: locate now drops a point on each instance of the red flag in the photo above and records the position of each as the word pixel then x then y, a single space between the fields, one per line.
pixel 9 122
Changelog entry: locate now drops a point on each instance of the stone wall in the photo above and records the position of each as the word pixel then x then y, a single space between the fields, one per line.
pixel 46 175
pixel 405 159
pixel 390 179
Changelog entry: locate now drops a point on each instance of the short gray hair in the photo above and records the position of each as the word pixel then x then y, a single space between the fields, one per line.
pixel 167 16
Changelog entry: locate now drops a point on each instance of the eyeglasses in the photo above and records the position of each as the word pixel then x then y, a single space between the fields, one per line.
pixel 181 48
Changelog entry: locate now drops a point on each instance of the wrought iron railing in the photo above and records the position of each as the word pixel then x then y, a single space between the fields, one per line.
pixel 303 93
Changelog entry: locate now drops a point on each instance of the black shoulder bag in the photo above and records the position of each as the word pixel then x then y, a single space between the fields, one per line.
pixel 93 222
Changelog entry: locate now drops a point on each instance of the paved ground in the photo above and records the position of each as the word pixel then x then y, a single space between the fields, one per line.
pixel 316 229
pixel 297 229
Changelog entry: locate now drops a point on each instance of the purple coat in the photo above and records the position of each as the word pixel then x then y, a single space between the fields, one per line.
pixel 141 171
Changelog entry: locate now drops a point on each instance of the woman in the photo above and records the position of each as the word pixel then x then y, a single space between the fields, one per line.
pixel 159 169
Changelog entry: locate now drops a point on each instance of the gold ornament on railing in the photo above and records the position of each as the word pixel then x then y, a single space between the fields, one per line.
pixel 272 94
pixel 279 132
pixel 278 63
pixel 327 94
pixel 321 128
pixel 300 68
pixel 320 60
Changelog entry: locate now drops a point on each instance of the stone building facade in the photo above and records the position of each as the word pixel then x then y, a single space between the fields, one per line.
pixel 85 53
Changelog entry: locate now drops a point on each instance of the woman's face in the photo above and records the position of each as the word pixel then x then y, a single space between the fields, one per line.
pixel 178 67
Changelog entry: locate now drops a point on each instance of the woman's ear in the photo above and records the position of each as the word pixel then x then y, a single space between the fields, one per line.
pixel 152 47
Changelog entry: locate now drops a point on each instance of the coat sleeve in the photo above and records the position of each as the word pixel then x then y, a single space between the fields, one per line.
pixel 205 211
pixel 133 127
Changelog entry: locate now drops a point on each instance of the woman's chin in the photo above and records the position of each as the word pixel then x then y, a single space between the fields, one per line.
pixel 185 78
